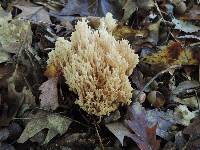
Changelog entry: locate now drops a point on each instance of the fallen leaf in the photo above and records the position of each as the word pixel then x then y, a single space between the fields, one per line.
pixel 193 14
pixel 90 8
pixel 10 105
pixel 79 140
pixel 172 54
pixel 165 121
pixel 18 94
pixel 184 114
pixel 29 98
pixel 186 87
pixel 4 116
pixel 191 102
pixel 4 57
pixel 36 14
pixel 4 134
pixel 14 34
pixel 154 32
pixel 169 146
pixel 5 146
pixel 12 131
pixel 193 131
pixel 49 95
pixel 119 130
pixel 126 32
pixel 131 6
pixel 6 71
pixel 180 140
pixel 144 136
pixel 52 5
pixel 137 79
pixel 185 26
pixel 55 123
pixel 193 128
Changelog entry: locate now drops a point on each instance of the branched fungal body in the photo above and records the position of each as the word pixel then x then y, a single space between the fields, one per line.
pixel 96 66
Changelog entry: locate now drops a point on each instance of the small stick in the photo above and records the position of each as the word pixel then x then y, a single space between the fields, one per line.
pixel 159 11
pixel 199 73
pixel 157 75
pixel 102 147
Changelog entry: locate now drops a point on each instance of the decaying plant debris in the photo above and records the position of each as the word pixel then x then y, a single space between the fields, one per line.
pixel 99 74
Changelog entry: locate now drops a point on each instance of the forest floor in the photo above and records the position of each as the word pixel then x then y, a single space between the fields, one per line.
pixel 37 107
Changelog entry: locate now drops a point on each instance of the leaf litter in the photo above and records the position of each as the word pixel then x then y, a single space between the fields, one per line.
pixel 165 100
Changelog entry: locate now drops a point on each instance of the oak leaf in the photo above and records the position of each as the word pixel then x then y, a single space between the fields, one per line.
pixel 144 136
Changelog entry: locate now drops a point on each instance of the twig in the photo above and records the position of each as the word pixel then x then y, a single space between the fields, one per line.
pixel 157 75
pixel 199 73
pixel 159 11
pixel 101 144
pixel 197 97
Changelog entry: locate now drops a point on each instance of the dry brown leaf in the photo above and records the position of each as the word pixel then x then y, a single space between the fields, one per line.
pixel 173 54
pixel 193 130
pixel 49 95
pixel 137 122
pixel 144 136
pixel 126 32
pixel 193 14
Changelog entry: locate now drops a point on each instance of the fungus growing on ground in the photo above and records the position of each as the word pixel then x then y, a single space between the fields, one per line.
pixel 96 66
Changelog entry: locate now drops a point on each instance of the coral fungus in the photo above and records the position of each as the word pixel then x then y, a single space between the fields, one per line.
pixel 96 66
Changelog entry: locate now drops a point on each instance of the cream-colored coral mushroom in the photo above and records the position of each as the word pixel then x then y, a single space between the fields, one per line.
pixel 96 66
